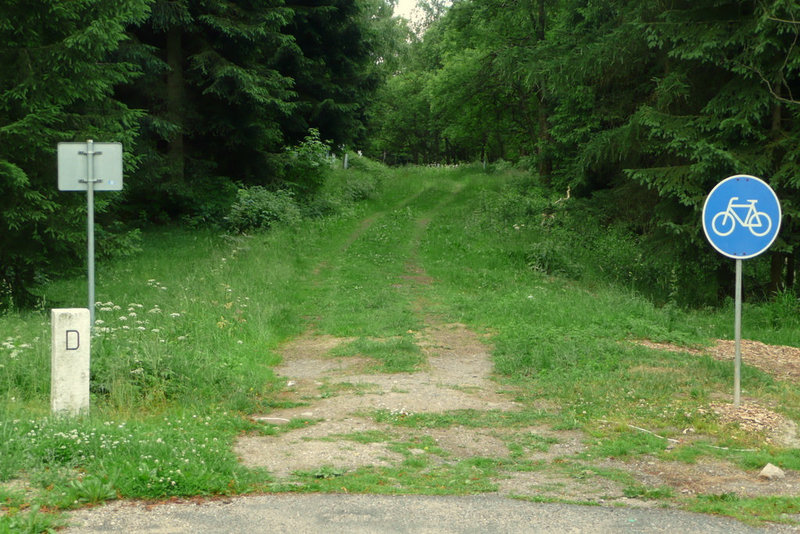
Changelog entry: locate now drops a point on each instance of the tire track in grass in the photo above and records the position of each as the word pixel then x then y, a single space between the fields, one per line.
pixel 360 230
pixel 447 417
pixel 341 399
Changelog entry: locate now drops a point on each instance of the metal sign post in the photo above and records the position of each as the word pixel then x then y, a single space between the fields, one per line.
pixel 741 219
pixel 90 153
pixel 79 169
pixel 737 333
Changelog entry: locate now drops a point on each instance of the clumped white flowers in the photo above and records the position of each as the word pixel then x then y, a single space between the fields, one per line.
pixel 161 459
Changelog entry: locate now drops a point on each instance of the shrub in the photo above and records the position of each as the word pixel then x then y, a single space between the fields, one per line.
pixel 359 187
pixel 345 187
pixel 306 166
pixel 257 208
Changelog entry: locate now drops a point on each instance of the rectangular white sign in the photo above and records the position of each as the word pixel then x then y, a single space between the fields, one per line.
pixel 73 166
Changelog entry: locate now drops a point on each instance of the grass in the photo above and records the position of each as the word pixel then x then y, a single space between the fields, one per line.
pixel 395 355
pixel 190 329
pixel 754 510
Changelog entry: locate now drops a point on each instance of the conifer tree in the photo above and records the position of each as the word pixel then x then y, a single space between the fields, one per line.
pixel 330 61
pixel 58 72
pixel 723 108
pixel 214 102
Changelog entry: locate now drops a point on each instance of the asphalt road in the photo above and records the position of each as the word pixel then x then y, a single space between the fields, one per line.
pixel 393 514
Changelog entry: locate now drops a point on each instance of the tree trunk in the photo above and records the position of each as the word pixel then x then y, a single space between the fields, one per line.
pixel 778 259
pixel 545 162
pixel 777 262
pixel 175 103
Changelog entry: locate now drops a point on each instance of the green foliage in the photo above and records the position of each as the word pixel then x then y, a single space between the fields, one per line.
pixel 400 355
pixel 306 165
pixel 91 490
pixel 175 379
pixel 33 521
pixel 629 444
pixel 257 208
pixel 146 458
pixel 58 74
pixel 331 60
pixel 203 95
pixel 644 106
pixel 363 180
pixel 344 188
pixel 570 237
pixel 777 508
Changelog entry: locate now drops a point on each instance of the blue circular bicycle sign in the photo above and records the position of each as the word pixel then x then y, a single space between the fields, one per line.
pixel 741 217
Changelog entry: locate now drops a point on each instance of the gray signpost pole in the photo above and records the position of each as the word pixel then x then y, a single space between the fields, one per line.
pixel 90 224
pixel 741 219
pixel 79 169
pixel 737 332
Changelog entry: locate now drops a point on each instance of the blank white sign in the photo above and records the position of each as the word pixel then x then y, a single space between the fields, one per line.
pixel 73 169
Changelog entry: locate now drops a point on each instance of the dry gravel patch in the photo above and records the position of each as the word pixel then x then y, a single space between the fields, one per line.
pixel 338 397
pixel 456 376
pixel 782 362
pixel 710 476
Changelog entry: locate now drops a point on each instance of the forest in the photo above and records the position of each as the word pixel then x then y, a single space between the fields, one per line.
pixel 634 110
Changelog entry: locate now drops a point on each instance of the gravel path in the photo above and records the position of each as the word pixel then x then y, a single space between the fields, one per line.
pixel 357 514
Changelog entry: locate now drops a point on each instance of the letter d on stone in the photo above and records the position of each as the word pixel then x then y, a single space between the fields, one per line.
pixel 73 340
pixel 69 384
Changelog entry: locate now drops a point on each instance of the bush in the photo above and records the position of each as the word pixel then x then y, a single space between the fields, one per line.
pixel 562 236
pixel 257 208
pixel 365 164
pixel 345 187
pixel 306 166
pixel 359 187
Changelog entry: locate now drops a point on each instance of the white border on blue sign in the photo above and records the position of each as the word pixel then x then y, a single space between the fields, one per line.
pixel 778 222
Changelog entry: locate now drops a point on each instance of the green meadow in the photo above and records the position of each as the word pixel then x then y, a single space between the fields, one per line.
pixel 188 332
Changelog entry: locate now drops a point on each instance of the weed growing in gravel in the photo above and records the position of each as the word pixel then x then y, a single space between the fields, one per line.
pixel 466 418
pixel 414 477
pixel 394 355
pixel 748 510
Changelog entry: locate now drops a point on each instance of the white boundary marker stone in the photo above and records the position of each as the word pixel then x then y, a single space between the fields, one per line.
pixel 69 361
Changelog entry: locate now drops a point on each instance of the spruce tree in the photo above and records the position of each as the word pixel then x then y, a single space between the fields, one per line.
pixel 58 72
pixel 214 103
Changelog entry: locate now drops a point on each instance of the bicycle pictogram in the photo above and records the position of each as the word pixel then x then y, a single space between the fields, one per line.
pixel 758 222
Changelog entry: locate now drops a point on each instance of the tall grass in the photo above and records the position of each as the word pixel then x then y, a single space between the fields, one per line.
pixel 563 317
pixel 183 347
